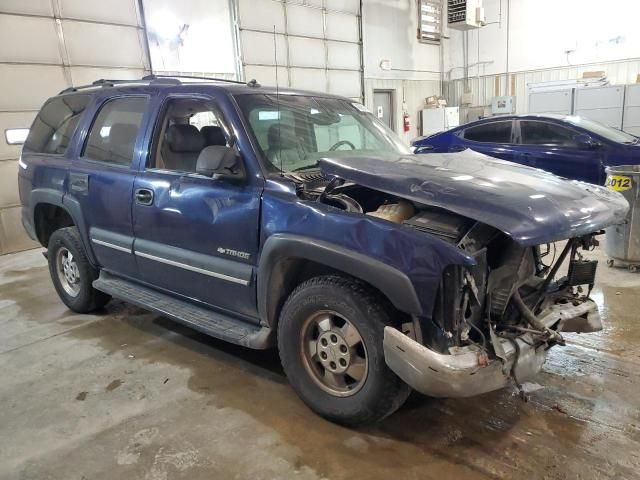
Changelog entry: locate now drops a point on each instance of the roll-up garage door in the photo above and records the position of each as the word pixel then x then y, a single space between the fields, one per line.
pixel 317 42
pixel 46 46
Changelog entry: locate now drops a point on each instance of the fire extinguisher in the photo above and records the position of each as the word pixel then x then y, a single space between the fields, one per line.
pixel 406 122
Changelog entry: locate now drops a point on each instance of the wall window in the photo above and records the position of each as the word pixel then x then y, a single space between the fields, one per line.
pixel 430 21
pixel 53 127
pixel 494 132
pixel 112 137
pixel 16 136
pixel 542 133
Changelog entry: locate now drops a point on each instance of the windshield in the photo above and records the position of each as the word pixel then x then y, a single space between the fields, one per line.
pixel 297 132
pixel 604 131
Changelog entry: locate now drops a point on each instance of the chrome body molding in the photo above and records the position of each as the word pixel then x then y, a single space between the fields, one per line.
pixel 192 268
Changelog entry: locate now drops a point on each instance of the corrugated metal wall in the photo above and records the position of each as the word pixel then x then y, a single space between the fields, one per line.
pixel 412 91
pixel 46 46
pixel 484 88
pixel 319 44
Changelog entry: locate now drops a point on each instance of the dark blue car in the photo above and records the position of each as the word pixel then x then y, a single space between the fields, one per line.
pixel 269 217
pixel 569 146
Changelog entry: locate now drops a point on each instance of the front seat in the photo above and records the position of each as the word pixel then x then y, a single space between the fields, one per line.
pixel 213 135
pixel 181 147
pixel 283 146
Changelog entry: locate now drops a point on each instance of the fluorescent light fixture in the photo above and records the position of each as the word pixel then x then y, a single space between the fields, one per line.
pixel 536 196
pixel 462 178
pixel 16 136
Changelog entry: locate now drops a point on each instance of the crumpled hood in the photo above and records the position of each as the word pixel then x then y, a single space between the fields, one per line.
pixel 530 205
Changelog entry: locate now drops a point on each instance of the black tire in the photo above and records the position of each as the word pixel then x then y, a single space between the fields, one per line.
pixel 87 298
pixel 380 392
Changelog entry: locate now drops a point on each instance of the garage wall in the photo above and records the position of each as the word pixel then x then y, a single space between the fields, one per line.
pixel 544 34
pixel 318 44
pixel 412 69
pixel 529 41
pixel 46 46
pixel 485 87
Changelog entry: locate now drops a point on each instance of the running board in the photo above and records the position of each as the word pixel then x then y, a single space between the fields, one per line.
pixel 203 319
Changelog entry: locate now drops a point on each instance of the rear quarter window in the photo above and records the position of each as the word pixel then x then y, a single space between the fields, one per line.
pixel 493 132
pixel 54 125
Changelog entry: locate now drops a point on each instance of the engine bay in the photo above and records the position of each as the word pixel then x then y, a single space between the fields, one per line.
pixel 509 290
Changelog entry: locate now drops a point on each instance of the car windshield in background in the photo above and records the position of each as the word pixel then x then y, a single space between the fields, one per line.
pixel 603 130
pixel 295 131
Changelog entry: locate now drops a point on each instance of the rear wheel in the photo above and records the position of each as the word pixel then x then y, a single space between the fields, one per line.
pixel 71 272
pixel 330 341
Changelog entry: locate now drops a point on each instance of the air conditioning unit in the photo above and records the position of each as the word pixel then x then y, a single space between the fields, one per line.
pixel 465 14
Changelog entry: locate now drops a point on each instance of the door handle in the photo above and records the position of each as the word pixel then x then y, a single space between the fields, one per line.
pixel 144 196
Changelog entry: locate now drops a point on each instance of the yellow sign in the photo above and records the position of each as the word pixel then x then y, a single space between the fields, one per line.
pixel 619 183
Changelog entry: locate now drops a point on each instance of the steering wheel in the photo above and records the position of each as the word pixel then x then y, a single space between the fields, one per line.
pixel 337 145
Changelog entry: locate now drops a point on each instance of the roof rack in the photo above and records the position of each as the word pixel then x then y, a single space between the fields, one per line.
pixel 193 77
pixel 152 79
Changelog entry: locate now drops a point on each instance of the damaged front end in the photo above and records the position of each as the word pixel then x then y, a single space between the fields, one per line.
pixel 494 322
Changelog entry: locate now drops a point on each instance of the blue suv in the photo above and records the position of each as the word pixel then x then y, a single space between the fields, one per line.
pixel 569 146
pixel 295 219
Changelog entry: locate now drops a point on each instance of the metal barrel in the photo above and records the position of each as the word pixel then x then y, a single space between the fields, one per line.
pixel 622 242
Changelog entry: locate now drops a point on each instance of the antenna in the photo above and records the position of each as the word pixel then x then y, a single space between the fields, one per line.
pixel 275 59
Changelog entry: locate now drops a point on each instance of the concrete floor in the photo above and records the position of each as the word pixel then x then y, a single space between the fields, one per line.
pixel 126 394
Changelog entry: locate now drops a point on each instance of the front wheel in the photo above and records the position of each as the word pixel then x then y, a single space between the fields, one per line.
pixel 71 272
pixel 330 341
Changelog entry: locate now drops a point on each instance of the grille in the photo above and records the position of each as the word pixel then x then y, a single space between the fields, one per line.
pixel 456 11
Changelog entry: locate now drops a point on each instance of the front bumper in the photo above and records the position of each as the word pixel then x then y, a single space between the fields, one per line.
pixel 467 371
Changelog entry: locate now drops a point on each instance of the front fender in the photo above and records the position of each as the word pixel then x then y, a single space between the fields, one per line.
pixel 404 264
pixel 390 281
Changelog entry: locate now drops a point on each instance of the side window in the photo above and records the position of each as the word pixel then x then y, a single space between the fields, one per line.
pixel 112 137
pixel 53 127
pixel 187 127
pixel 493 132
pixel 543 133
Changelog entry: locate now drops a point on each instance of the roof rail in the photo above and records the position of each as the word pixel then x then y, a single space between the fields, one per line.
pixel 152 79
pixel 106 82
pixel 193 77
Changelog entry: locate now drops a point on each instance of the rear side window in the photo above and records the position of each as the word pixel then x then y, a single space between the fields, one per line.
pixel 494 132
pixel 53 128
pixel 112 137
pixel 543 133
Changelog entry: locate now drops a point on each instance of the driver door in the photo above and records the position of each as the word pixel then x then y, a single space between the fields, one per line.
pixel 195 236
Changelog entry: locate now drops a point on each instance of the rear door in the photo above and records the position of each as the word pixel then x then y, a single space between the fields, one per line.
pixel 101 179
pixel 495 138
pixel 552 147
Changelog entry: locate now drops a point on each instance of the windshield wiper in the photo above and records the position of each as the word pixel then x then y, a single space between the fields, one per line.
pixel 306 167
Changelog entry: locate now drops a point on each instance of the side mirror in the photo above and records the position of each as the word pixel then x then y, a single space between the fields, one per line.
pixel 220 162
pixel 423 149
pixel 585 141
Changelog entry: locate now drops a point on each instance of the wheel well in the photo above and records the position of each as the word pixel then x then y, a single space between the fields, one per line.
pixel 47 219
pixel 288 273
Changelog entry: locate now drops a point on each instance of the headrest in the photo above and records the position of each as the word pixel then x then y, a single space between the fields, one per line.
pixel 184 138
pixel 281 137
pixel 213 135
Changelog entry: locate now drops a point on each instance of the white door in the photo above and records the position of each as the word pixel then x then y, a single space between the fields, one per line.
pixel 45 47
pixel 317 44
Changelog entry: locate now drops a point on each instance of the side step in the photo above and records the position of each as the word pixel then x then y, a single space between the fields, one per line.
pixel 200 318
